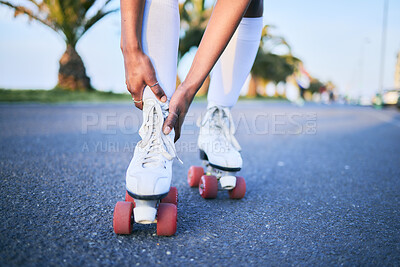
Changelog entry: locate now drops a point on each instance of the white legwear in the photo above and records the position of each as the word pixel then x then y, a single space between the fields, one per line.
pixel 234 65
pixel 160 40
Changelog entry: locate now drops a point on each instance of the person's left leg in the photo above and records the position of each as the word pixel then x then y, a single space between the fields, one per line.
pixel 234 65
pixel 216 138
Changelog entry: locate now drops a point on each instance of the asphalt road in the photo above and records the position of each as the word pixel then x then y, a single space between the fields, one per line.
pixel 323 188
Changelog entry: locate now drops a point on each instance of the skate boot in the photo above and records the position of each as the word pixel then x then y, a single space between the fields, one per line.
pixel 220 152
pixel 148 178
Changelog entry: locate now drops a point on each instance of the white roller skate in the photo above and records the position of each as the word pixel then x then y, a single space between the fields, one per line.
pixel 220 152
pixel 148 178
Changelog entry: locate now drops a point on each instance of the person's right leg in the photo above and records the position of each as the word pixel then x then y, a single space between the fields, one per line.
pixel 160 40
pixel 149 174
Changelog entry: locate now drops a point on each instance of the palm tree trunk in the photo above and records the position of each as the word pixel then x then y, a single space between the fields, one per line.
pixel 72 73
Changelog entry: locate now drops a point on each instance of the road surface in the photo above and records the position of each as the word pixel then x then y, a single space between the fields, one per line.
pixel 323 187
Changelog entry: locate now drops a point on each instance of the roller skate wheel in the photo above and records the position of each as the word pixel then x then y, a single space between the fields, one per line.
pixel 208 187
pixel 166 219
pixel 194 175
pixel 240 190
pixel 128 198
pixel 122 220
pixel 172 196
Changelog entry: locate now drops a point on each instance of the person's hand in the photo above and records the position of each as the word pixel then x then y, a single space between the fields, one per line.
pixel 139 72
pixel 178 107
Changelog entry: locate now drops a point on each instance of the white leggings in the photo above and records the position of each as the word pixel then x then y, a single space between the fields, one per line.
pixel 160 39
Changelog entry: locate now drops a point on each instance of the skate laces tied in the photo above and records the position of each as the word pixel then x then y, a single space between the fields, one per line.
pixel 158 144
pixel 219 119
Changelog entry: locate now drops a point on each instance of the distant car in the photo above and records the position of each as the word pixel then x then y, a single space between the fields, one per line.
pixel 390 97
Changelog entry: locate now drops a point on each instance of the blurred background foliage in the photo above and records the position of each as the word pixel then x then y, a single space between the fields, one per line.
pixel 71 19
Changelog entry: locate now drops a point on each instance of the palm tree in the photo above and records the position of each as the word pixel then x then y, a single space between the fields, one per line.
pixel 269 66
pixel 71 19
pixel 194 18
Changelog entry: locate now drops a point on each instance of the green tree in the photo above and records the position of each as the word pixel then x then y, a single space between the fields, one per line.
pixel 194 18
pixel 71 19
pixel 270 66
pixel 273 67
pixel 315 85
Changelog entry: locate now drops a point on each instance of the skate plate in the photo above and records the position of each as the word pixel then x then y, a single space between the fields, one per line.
pixel 215 179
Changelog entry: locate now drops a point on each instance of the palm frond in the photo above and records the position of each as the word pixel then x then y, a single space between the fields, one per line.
pixel 18 10
pixel 98 16
pixel 86 5
pixel 67 17
pixel 89 4
pixel 35 3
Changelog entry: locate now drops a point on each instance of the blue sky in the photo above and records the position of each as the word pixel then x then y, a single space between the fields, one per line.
pixel 337 40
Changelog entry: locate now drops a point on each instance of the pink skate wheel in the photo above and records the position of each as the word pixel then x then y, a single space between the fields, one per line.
pixel 166 219
pixel 240 189
pixel 172 196
pixel 208 186
pixel 122 221
pixel 129 199
pixel 194 175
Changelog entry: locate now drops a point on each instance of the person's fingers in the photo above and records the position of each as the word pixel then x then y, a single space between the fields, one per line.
pixel 158 92
pixel 137 95
pixel 178 126
pixel 170 122
pixel 177 132
pixel 152 82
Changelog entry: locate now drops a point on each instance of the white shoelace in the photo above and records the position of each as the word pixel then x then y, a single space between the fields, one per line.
pixel 221 121
pixel 154 139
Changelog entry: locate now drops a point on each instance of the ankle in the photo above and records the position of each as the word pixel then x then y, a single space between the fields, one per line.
pixel 214 104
